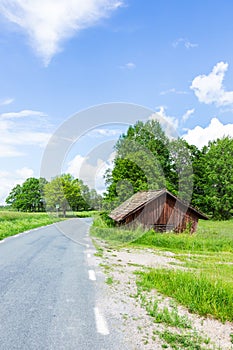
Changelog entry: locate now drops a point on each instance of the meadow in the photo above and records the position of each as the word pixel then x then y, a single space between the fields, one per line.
pixel 205 283
pixel 12 223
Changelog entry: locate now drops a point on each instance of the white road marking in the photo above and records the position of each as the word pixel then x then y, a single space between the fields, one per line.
pixel 92 275
pixel 88 255
pixel 88 245
pixel 101 324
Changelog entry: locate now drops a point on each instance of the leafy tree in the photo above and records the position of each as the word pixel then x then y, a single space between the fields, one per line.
pixel 141 163
pixel 217 179
pixel 13 198
pixel 28 196
pixel 182 156
pixel 67 193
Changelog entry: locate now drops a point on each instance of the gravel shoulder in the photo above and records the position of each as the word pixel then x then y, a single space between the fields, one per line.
pixel 121 299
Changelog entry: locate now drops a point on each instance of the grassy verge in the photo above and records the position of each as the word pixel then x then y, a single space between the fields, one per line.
pixel 206 287
pixel 12 223
pixel 195 291
pixel 211 236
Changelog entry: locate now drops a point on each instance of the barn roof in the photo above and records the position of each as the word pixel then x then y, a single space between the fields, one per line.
pixel 139 200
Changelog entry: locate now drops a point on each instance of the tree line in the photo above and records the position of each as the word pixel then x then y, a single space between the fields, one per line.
pixel 147 159
pixel 60 194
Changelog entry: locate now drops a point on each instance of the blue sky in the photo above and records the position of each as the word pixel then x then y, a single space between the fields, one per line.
pixel 174 57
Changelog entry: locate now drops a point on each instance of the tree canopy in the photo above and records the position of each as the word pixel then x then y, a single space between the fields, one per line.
pixel 147 159
pixel 62 192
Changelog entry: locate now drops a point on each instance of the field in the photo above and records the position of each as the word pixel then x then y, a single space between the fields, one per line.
pixel 12 222
pixel 205 283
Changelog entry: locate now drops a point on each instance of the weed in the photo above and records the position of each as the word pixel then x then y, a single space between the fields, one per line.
pixel 164 315
pixel 109 280
pixel 177 341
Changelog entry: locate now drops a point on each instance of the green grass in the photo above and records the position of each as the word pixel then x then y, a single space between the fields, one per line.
pixel 12 223
pixel 211 236
pixel 206 287
pixel 190 341
pixel 196 291
pixel 169 317
pixel 86 214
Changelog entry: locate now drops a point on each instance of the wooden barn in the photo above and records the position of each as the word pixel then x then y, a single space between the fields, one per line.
pixel 159 210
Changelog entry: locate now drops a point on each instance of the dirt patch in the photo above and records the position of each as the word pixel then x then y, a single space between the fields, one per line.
pixel 123 299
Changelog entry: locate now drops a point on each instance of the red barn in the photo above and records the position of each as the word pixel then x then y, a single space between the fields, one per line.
pixel 159 210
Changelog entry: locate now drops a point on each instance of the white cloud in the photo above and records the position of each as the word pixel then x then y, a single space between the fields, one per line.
pixel 187 44
pixel 105 132
pixel 48 23
pixel 169 123
pixel 91 174
pixel 187 114
pixel 173 91
pixel 9 180
pixel 209 88
pixel 6 101
pixel 24 173
pixel 201 136
pixel 22 114
pixel 128 66
pixel 15 133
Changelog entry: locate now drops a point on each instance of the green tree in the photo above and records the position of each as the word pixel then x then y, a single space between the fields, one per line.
pixel 13 198
pixel 217 179
pixel 28 196
pixel 142 162
pixel 65 192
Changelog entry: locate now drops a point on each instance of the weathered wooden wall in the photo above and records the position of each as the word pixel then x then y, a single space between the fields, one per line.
pixel 164 214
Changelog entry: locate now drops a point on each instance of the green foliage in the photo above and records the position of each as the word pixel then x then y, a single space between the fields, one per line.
pixel 164 315
pixel 28 196
pixel 195 291
pixel 141 163
pixel 65 192
pixel 12 223
pixel 190 341
pixel 147 159
pixel 216 180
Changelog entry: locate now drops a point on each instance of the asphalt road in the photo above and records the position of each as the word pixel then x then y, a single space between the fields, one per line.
pixel 48 292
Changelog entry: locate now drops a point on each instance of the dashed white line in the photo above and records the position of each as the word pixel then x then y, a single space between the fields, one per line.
pixel 88 255
pixel 92 275
pixel 101 324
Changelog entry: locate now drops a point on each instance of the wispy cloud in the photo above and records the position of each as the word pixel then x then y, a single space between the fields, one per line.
pixel 22 114
pixel 129 66
pixel 6 101
pixel 187 114
pixel 48 23
pixel 185 42
pixel 16 133
pixel 105 132
pixel 173 91
pixel 209 88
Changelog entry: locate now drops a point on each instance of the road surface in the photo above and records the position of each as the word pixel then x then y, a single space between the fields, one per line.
pixel 50 292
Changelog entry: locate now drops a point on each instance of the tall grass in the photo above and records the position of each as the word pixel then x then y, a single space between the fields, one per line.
pixel 213 236
pixel 12 223
pixel 193 290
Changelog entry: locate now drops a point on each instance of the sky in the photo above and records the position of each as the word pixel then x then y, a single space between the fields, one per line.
pixel 171 58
